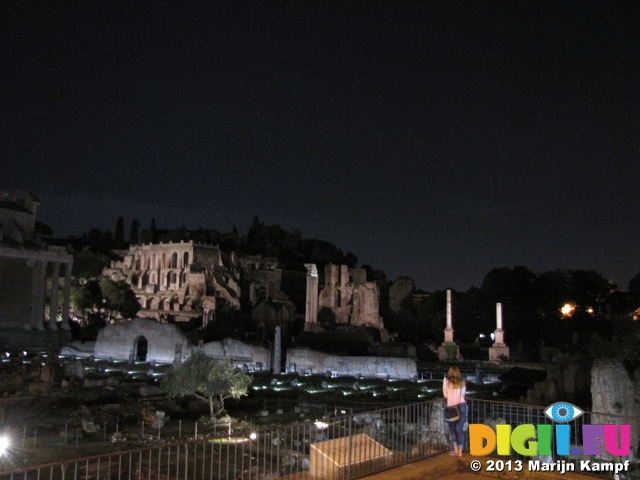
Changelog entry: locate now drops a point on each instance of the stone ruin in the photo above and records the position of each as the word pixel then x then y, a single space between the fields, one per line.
pixel 147 340
pixel 184 280
pixel 615 392
pixel 29 302
pixel 305 361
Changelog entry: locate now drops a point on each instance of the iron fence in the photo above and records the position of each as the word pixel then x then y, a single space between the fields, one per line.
pixel 335 448
pixel 340 448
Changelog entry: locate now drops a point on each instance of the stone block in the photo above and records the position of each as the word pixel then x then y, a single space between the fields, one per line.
pixel 347 457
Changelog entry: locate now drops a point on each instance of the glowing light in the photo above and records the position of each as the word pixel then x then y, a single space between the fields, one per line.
pixel 567 309
pixel 253 435
pixel 321 425
pixel 590 310
pixel 4 445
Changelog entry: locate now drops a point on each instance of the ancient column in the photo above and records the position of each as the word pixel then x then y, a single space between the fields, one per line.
pixel 448 350
pixel 311 311
pixel 66 300
pixel 277 351
pixel 53 306
pixel 448 331
pixel 499 349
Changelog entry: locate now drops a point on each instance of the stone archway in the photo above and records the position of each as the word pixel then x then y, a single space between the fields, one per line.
pixel 141 346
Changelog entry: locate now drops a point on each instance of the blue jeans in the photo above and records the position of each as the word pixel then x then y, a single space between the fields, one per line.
pixel 456 429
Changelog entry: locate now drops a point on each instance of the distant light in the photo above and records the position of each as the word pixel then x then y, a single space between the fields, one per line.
pixel 493 336
pixel 253 435
pixel 321 425
pixel 567 309
pixel 481 335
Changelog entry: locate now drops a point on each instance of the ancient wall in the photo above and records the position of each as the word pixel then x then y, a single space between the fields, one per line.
pixel 307 361
pixel 184 280
pixel 174 279
pixel 16 303
pixel 613 391
pixel 249 357
pixel 353 300
pixel 35 284
pixel 165 343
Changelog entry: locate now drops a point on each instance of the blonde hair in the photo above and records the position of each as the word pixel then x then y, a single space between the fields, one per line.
pixel 455 377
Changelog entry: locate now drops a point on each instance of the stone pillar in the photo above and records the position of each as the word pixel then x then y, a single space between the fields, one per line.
pixel 53 306
pixel 499 349
pixel 311 311
pixel 39 272
pixel 66 300
pixel 277 351
pixel 448 350
pixel 448 331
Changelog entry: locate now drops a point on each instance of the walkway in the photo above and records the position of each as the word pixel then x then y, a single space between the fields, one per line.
pixel 446 467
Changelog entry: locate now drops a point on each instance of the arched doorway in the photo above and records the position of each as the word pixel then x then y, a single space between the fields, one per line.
pixel 142 348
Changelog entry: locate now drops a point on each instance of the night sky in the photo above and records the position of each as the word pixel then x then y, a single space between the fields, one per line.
pixel 432 139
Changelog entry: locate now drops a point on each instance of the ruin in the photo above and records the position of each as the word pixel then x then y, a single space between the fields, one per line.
pixel 499 350
pixel 349 295
pixel 448 350
pixel 181 281
pixel 305 361
pixel 147 340
pixel 32 300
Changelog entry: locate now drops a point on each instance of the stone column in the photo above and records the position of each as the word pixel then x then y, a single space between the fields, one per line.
pixel 277 351
pixel 66 296
pixel 311 311
pixel 448 331
pixel 53 306
pixel 499 349
pixel 448 350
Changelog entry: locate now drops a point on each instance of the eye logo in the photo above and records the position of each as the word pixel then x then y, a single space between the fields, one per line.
pixel 563 412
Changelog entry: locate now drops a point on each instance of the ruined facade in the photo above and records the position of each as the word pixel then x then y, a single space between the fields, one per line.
pixel 186 280
pixel 31 294
pixel 349 295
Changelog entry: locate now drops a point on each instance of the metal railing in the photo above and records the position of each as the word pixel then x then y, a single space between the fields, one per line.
pixel 339 448
pixel 336 448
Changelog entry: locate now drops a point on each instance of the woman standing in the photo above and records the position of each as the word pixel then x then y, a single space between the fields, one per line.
pixel 454 389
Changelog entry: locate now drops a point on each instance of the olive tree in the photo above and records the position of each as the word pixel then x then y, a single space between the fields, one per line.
pixel 210 380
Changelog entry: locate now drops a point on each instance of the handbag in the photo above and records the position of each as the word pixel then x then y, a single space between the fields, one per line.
pixel 451 414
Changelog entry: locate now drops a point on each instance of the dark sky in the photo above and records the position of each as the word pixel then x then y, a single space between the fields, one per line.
pixel 432 139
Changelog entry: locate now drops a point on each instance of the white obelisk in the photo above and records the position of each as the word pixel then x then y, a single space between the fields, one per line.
pixel 499 349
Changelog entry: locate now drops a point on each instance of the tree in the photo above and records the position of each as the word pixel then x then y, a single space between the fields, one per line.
pixel 135 232
pixel 118 241
pixel 119 298
pixel 210 380
pixel 88 264
pixel 87 296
